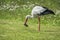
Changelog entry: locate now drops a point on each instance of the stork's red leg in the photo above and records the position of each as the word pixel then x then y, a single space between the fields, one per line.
pixel 38 23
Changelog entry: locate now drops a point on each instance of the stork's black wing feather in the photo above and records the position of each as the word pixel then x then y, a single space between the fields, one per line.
pixel 47 11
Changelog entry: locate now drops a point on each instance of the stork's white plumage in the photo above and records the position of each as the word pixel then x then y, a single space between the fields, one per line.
pixel 36 12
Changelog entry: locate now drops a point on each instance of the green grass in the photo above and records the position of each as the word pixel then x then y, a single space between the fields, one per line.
pixel 15 30
pixel 11 21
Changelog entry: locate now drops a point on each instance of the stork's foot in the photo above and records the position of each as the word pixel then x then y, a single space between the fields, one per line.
pixel 26 25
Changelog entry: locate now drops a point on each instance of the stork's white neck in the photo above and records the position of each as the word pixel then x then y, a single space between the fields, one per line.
pixel 29 16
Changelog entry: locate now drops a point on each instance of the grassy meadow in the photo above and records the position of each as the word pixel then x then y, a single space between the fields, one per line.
pixel 12 15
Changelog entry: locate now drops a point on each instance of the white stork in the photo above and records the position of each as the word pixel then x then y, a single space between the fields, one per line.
pixel 37 11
